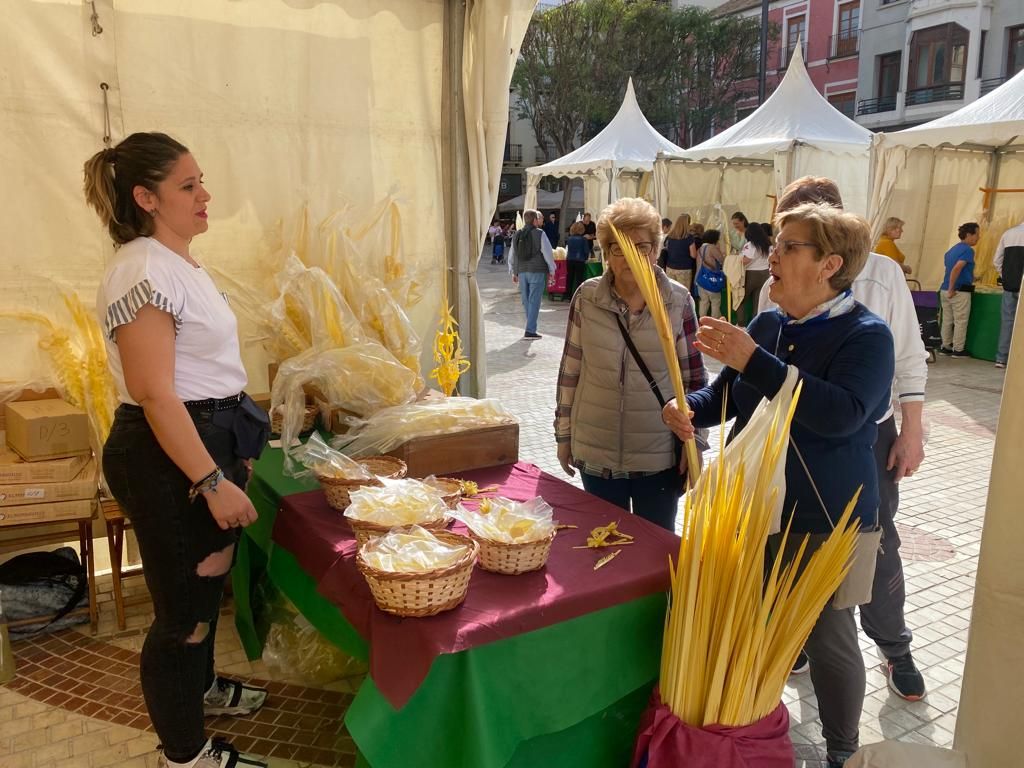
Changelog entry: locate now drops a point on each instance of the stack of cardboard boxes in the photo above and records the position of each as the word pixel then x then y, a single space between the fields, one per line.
pixel 47 472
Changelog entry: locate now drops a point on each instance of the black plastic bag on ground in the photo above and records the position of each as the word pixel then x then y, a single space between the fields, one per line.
pixel 47 585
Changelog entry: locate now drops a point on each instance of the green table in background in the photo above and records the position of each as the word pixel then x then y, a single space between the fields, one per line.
pixel 521 702
pixel 983 327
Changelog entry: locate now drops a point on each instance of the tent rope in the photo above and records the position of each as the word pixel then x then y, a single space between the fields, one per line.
pixel 104 87
pixel 97 30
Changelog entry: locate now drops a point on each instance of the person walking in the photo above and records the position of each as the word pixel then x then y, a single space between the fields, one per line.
pixel 532 264
pixel 955 292
pixel 1009 263
pixel 681 258
pixel 179 452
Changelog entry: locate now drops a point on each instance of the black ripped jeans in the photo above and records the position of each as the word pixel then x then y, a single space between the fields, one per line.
pixel 174 536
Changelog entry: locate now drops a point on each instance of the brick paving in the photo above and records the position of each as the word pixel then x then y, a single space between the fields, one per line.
pixel 76 702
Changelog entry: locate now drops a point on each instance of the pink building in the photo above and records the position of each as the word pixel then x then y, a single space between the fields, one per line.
pixel 828 32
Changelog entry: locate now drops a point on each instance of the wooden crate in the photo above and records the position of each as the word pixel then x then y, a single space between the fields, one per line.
pixel 460 451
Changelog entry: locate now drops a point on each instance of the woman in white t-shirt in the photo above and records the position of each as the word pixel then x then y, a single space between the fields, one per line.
pixel 180 449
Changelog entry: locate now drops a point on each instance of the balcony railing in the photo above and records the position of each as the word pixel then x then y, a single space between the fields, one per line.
pixel 786 53
pixel 992 83
pixel 874 106
pixel 844 44
pixel 515 154
pixel 934 93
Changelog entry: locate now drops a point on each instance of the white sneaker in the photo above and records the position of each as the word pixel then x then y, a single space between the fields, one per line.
pixel 216 754
pixel 230 697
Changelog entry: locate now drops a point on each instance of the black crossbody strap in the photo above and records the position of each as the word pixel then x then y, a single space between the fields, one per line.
pixel 640 362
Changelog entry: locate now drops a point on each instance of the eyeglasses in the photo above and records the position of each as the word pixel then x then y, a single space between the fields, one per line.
pixel 786 247
pixel 645 249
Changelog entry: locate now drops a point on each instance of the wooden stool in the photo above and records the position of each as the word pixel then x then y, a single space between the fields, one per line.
pixel 58 532
pixel 117 524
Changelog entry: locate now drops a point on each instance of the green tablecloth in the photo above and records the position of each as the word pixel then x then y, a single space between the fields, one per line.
pixel 594 269
pixel 570 694
pixel 983 326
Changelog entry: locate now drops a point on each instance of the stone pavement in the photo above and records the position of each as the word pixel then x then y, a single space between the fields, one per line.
pixel 940 515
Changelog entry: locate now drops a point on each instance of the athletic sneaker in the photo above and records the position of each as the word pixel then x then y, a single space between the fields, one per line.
pixel 962 353
pixel 801 665
pixel 838 758
pixel 1000 365
pixel 529 335
pixel 904 678
pixel 229 697
pixel 946 350
pixel 216 754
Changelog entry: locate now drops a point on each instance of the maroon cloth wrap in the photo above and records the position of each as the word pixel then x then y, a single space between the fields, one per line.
pixel 497 606
pixel 665 741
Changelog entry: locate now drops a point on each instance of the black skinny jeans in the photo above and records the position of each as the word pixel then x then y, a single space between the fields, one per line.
pixel 174 537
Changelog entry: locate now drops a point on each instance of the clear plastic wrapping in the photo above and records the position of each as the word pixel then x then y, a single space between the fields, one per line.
pixel 390 427
pixel 311 303
pixel 396 503
pixel 511 522
pixel 411 550
pixel 318 458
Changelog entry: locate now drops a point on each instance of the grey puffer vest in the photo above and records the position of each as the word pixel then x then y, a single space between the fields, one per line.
pixel 616 420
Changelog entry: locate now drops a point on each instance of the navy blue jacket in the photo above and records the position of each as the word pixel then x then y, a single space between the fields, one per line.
pixel 846 364
pixel 679 253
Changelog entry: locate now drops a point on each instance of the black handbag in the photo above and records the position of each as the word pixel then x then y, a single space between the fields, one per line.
pixel 676 442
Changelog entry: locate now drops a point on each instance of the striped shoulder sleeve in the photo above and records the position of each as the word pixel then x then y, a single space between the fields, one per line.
pixel 133 284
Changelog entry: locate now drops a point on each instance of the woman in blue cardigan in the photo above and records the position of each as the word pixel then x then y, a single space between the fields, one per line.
pixel 844 356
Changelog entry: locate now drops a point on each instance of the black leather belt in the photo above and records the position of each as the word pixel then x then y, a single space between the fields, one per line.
pixel 213 404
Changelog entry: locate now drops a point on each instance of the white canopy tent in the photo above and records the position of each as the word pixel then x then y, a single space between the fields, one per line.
pixel 794 133
pixel 284 102
pixel 931 177
pixel 612 163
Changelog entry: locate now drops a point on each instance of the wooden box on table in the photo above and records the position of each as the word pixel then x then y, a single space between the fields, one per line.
pixel 460 451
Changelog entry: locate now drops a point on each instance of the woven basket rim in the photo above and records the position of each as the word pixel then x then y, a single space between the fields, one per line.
pixel 370 527
pixel 511 545
pixel 344 481
pixel 467 560
pixel 399 466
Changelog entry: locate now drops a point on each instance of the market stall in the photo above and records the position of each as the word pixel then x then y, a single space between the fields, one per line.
pixel 613 164
pixel 553 663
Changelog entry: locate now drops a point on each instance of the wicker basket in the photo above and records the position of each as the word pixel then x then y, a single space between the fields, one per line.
pixel 422 594
pixel 308 419
pixel 513 559
pixel 365 531
pixel 384 466
pixel 450 488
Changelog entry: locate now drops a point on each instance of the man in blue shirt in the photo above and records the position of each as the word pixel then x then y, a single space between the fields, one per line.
pixel 957 287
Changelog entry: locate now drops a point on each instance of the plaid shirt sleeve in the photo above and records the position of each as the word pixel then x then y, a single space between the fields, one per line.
pixel 569 373
pixel 691 362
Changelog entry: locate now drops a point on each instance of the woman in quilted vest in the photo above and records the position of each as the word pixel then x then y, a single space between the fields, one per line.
pixel 608 421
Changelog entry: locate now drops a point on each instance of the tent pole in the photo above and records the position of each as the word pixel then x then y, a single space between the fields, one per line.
pixel 762 69
pixel 455 165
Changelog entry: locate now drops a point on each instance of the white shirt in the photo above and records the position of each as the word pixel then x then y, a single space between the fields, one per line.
pixel 545 248
pixel 882 287
pixel 1014 236
pixel 207 360
pixel 759 259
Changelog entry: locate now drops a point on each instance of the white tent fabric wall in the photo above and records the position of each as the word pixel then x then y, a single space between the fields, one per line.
pixel 282 103
pixel 797 131
pixel 627 144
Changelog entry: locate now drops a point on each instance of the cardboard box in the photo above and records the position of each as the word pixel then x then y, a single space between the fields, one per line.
pixel 83 509
pixel 25 394
pixel 14 469
pixel 460 451
pixel 84 486
pixel 46 429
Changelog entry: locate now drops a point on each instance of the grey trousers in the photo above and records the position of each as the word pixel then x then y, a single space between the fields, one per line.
pixel 882 619
pixel 837 668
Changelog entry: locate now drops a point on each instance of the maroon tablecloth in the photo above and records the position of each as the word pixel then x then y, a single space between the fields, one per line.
pixel 497 606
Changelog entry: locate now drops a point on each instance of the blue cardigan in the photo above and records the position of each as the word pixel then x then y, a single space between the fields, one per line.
pixel 846 364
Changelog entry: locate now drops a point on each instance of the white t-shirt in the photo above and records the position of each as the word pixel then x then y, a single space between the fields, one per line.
pixel 759 259
pixel 207 361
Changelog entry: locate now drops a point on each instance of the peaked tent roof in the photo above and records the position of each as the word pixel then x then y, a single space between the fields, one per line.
pixel 627 143
pixel 794 113
pixel 995 120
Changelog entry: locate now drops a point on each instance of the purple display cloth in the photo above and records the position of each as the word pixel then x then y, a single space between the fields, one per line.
pixel 665 741
pixel 497 606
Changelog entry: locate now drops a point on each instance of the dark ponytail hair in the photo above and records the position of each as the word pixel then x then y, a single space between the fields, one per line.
pixel 111 175
pixel 757 237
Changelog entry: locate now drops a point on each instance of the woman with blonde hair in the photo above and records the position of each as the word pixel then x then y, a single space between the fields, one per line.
pixel 608 420
pixel 843 356
pixel 179 453
pixel 892 231
pixel 681 257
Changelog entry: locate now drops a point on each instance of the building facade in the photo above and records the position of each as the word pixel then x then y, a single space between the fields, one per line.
pixel 828 32
pixel 922 59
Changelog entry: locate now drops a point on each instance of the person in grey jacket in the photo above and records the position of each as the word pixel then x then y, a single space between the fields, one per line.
pixel 608 421
pixel 532 264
